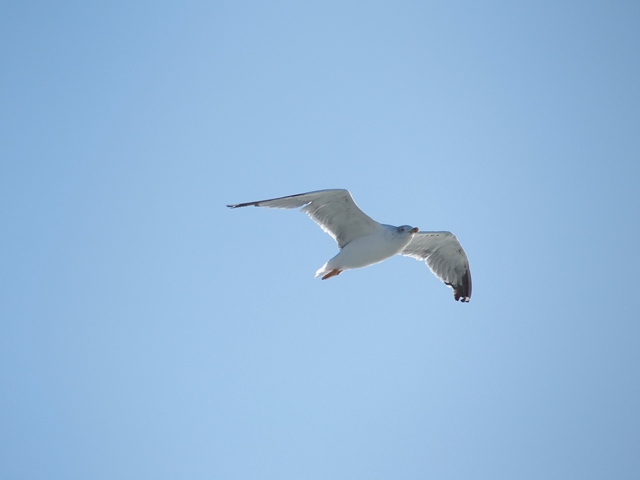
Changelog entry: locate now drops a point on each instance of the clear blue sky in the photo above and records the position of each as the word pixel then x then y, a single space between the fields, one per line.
pixel 147 331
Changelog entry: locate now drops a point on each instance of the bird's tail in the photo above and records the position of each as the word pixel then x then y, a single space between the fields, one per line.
pixel 323 270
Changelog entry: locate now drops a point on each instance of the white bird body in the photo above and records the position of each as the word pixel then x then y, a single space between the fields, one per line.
pixel 367 250
pixel 364 242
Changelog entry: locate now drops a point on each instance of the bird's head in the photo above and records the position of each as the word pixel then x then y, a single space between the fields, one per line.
pixel 408 229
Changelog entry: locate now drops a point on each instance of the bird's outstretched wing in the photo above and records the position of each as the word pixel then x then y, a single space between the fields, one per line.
pixel 445 257
pixel 334 210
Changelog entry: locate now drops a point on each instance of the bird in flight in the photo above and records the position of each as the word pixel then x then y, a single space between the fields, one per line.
pixel 363 241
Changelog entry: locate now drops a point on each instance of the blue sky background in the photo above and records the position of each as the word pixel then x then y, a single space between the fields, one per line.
pixel 147 331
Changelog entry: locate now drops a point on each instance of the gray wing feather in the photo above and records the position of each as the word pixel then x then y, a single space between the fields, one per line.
pixel 445 257
pixel 334 210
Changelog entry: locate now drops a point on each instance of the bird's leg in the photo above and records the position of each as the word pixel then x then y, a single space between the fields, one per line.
pixel 333 273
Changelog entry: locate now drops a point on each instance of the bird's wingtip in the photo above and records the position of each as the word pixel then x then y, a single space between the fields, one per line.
pixel 462 291
pixel 460 298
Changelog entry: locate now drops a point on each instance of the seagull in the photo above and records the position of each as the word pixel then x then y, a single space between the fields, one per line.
pixel 364 242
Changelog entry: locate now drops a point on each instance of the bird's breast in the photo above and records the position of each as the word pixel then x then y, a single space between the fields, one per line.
pixel 371 249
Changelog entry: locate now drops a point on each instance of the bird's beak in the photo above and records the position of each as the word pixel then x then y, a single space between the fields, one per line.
pixel 414 230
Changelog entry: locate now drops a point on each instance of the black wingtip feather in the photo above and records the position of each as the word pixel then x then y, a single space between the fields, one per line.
pixel 257 204
pixel 462 292
pixel 238 205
